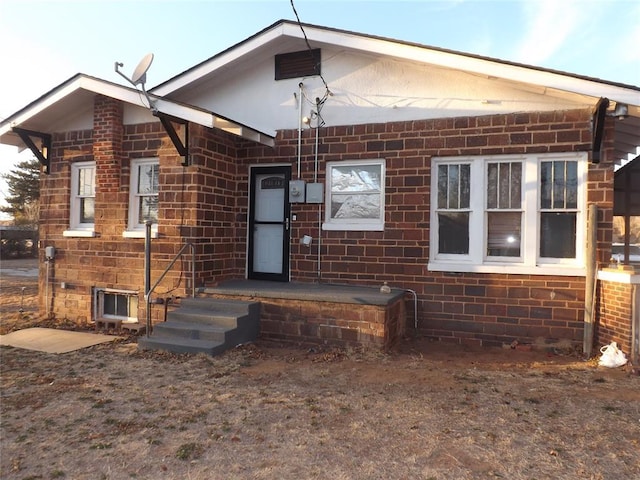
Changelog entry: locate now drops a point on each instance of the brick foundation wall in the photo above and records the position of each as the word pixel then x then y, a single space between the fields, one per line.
pixel 330 323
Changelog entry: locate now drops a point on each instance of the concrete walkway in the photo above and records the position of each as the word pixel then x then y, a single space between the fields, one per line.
pixel 24 267
pixel 52 340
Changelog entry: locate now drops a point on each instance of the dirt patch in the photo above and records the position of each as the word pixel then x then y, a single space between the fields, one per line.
pixel 269 411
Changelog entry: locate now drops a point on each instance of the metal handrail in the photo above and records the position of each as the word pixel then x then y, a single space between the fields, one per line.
pixel 193 280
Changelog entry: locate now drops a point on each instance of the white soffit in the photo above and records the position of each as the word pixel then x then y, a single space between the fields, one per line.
pixel 488 68
pixel 81 89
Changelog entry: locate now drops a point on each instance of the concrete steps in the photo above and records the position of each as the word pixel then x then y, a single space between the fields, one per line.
pixel 205 325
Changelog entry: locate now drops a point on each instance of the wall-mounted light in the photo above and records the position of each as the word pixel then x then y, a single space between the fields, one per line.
pixel 620 112
pixel 307 120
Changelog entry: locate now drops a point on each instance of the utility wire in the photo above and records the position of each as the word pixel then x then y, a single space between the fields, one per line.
pixel 327 92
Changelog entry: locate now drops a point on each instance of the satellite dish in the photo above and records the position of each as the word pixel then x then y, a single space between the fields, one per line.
pixel 140 73
pixel 139 76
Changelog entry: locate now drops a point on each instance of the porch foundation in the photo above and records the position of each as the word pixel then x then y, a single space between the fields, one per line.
pixel 324 314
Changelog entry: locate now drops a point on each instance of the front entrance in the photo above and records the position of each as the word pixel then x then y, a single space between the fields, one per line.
pixel 269 223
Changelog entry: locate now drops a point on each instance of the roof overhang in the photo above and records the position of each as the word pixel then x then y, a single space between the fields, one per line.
pixel 287 33
pixel 284 36
pixel 78 92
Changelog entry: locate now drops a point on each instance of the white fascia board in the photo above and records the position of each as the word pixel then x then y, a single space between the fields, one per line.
pixel 479 66
pixel 243 131
pixel 217 62
pixel 118 92
pixel 40 106
pixel 200 117
pixel 415 53
pixel 137 98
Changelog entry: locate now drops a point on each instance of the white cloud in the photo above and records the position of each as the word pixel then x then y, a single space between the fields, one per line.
pixel 549 23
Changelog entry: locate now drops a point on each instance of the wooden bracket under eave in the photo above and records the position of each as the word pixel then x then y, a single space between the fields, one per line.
pixel 182 145
pixel 599 116
pixel 42 153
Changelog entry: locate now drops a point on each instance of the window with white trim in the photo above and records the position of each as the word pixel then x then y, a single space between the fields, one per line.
pixel 508 213
pixel 112 304
pixel 82 199
pixel 143 196
pixel 355 195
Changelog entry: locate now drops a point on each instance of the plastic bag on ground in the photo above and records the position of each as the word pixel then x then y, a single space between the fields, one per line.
pixel 612 356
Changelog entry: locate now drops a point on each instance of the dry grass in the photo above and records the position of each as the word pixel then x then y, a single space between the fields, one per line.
pixel 265 411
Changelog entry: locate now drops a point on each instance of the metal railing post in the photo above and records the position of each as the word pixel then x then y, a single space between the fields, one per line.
pixel 166 270
pixel 147 273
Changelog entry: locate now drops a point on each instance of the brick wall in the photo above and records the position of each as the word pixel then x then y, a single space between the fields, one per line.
pixel 473 308
pixel 68 266
pixel 330 323
pixel 614 315
pixel 196 204
pixel 206 203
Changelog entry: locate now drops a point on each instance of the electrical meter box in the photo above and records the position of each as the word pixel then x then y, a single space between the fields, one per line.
pixel 296 191
pixel 315 192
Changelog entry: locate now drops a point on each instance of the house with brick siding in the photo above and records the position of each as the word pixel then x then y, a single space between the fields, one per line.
pixel 478 194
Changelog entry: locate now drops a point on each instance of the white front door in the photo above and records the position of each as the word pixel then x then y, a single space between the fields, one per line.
pixel 269 223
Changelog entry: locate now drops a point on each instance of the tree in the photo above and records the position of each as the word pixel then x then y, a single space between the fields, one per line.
pixel 23 184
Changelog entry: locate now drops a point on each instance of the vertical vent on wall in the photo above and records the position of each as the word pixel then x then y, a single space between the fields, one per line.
pixel 305 63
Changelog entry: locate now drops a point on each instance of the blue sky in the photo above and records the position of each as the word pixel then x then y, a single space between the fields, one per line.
pixel 46 42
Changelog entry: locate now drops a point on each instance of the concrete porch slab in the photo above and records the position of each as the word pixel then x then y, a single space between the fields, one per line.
pixel 52 340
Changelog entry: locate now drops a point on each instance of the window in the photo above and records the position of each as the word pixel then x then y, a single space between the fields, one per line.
pixel 355 195
pixel 511 214
pixel 504 209
pixel 143 196
pixel 558 209
pixel 116 304
pixel 82 205
pixel 453 208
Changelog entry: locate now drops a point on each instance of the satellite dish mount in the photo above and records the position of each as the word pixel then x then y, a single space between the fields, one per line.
pixel 139 76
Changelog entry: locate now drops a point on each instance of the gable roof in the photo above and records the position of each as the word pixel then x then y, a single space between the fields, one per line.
pixel 285 35
pixel 173 96
pixel 77 93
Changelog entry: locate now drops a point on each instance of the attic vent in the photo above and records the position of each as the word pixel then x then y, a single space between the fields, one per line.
pixel 298 64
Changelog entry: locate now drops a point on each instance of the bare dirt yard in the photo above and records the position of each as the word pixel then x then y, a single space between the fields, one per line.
pixel 266 411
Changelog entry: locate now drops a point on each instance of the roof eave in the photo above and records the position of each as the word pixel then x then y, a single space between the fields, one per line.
pixel 475 64
pixel 127 95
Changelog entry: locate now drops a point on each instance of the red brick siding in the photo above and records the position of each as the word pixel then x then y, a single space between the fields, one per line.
pixel 501 307
pixel 206 203
pixel 614 315
pixel 331 323
pixel 196 204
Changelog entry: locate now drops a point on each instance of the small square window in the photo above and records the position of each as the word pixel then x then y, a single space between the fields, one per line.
pixel 117 305
pixel 355 195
